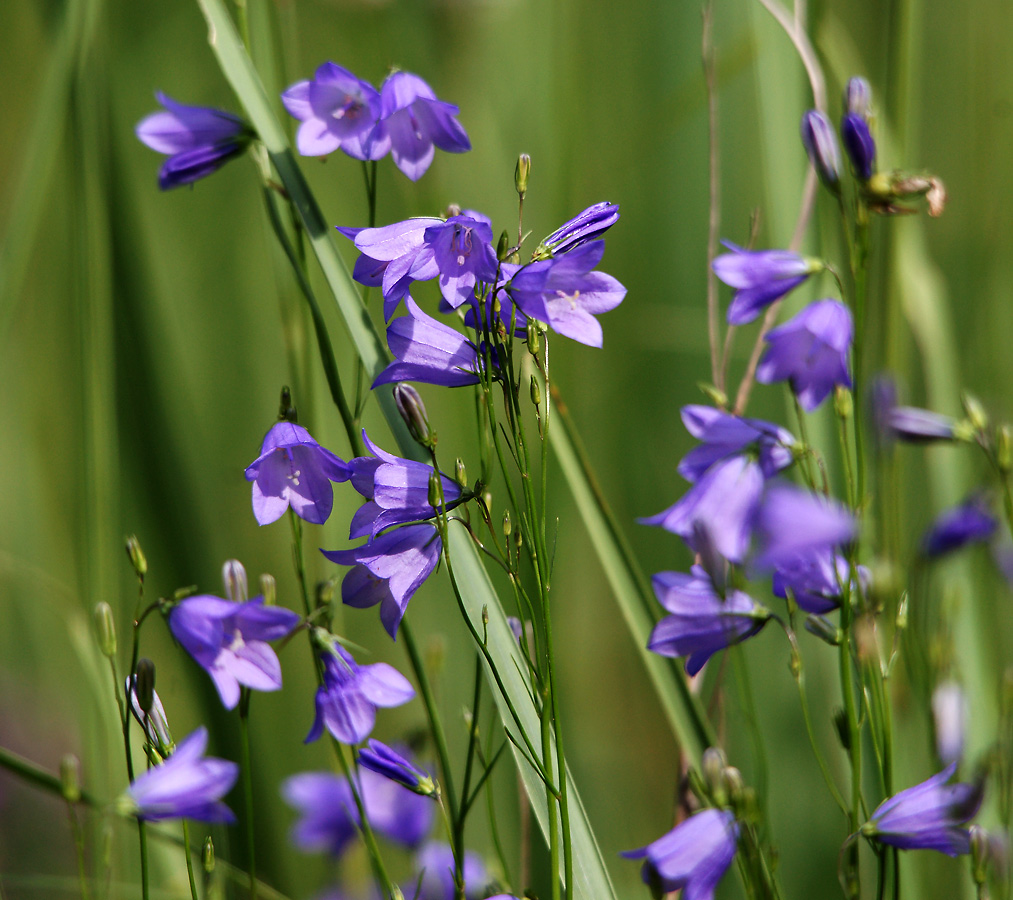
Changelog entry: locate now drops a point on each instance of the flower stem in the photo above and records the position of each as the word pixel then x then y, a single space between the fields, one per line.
pixel 189 860
pixel 244 748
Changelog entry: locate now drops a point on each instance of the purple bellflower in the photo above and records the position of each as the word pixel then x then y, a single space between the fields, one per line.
pixel 969 523
pixel 416 121
pixel 589 225
pixel 338 112
pixel 821 146
pixel 388 570
pixel 693 856
pixel 815 579
pixel 199 140
pixel 700 622
pixel 427 351
pixel 229 641
pixel 859 144
pixel 723 435
pixel 436 863
pixel 294 470
pixel 928 816
pixel 810 351
pixel 760 277
pixel 187 785
pixel 793 523
pixel 949 720
pixel 564 293
pixel 857 96
pixel 153 722
pixel 459 252
pixel 347 700
pixel 387 761
pixel 920 426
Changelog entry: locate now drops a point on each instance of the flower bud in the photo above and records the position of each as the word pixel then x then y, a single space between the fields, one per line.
pixel 536 394
pixel 859 144
pixel 844 404
pixel 503 246
pixel 105 629
pixel 716 396
pixel 735 785
pixel 821 145
pixel 713 764
pixel 949 717
pixel 521 172
pixel 268 589
pixel 534 340
pixel 980 852
pixel 234 577
pixel 901 621
pixel 460 473
pixel 1004 448
pixel 453 209
pixel 136 556
pixel 208 856
pixel 975 412
pixel 413 411
pixel 824 629
pixel 857 97
pixel 145 684
pixel 435 500
pixel 70 778
pixel 508 525
pixel 286 409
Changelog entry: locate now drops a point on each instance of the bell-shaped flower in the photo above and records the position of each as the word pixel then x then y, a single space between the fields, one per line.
pixel 387 761
pixel 229 641
pixel 700 622
pixel 459 252
pixel 815 579
pixel 589 225
pixel 187 785
pixel 416 120
pixel 793 523
pixel 338 112
pixel 693 856
pixel 821 146
pixel 347 700
pixel 972 522
pixel 810 351
pixel 920 426
pixel 928 816
pixel 198 139
pixel 435 862
pixel 760 277
pixel 949 720
pixel 723 435
pixel 294 470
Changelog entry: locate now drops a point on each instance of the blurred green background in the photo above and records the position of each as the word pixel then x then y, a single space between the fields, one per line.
pixel 145 337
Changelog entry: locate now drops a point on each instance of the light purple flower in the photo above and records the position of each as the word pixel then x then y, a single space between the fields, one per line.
pixel 187 785
pixel 859 144
pixel 387 761
pixel 338 112
pixel 198 139
pixel 857 96
pixel 723 435
pixel 347 700
pixel 793 523
pixel 436 863
pixel 459 252
pixel 294 470
pixel 949 718
pixel 760 277
pixel 154 723
pixel 229 641
pixel 920 426
pixel 971 522
pixel 589 225
pixel 693 856
pixel 416 120
pixel 700 622
pixel 815 579
pixel 928 816
pixel 810 351
pixel 564 293
pixel 821 146
pixel 388 570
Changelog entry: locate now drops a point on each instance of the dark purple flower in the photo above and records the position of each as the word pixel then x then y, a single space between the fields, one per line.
pixel 338 112
pixel 388 570
pixel 793 523
pixel 857 96
pixel 294 470
pixel 700 622
pixel 459 252
pixel 228 640
pixel 427 351
pixel 416 120
pixel 564 293
pixel 821 146
pixel 724 502
pixel 592 223
pixel 815 579
pixel 187 785
pixel 810 351
pixel 347 700
pixel 920 426
pixel 927 816
pixel 693 856
pixel 859 144
pixel 436 863
pixel 723 435
pixel 969 523
pixel 760 277
pixel 198 139
pixel 386 761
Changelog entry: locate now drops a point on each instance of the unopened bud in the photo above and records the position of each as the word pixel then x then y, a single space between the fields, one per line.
pixel 286 408
pixel 234 577
pixel 413 411
pixel 981 847
pixel 268 589
pixel 821 145
pixel 713 763
pixel 534 340
pixel 453 209
pixel 105 629
pixel 735 785
pixel 487 499
pixel 460 473
pixel 136 556
pixel 508 524
pixel 857 96
pixel 536 394
pixel 208 856
pixel 824 629
pixel 145 684
pixel 716 396
pixel 844 404
pixel 1004 448
pixel 70 778
pixel 518 541
pixel 975 412
pixel 521 172
pixel 901 621
pixel 434 491
pixel 503 246
pixel 949 716
pixel 485 615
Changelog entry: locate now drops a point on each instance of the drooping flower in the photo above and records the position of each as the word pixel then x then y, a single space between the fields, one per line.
pixel 792 523
pixel 338 112
pixel 920 426
pixel 229 641
pixel 294 470
pixel 928 816
pixel 387 761
pixel 459 252
pixel 564 293
pixel 821 146
pixel 347 700
pixel 187 785
pixel 436 863
pixel 815 578
pixel 198 139
pixel 693 856
pixel 722 435
pixel 859 144
pixel 810 351
pixel 949 718
pixel 589 225
pixel 700 622
pixel 416 120
pixel 760 277
pixel 971 522
pixel 388 570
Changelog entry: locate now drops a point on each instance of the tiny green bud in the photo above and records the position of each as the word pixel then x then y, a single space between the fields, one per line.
pixel 136 556
pixel 534 340
pixel 105 628
pixel 145 684
pixel 413 411
pixel 453 209
pixel 208 856
pixel 964 430
pixel 324 592
pixel 735 785
pixel 268 589
pixel 975 412
pixel 521 172
pixel 844 404
pixel 396 893
pixel 460 473
pixel 713 763
pixel 503 246
pixel 487 499
pixel 518 541
pixel 980 851
pixel 1004 448
pixel 536 394
pixel 485 615
pixel 286 409
pixel 508 524
pixel 824 630
pixel 716 396
pixel 901 621
pixel 434 491
pixel 70 778
pixel 234 578
pixel 842 728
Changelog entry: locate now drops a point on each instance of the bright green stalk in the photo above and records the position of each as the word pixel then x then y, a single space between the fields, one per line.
pixel 189 860
pixel 244 761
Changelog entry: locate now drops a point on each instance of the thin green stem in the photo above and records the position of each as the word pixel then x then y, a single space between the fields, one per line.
pixel 297 560
pixel 78 835
pixel 189 860
pixel 550 799
pixel 244 749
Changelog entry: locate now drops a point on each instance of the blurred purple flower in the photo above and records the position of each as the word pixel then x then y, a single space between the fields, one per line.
pixel 347 700
pixel 294 470
pixel 693 856
pixel 760 277
pixel 815 579
pixel 927 816
pixel 949 718
pixel 857 96
pixel 821 146
pixel 589 225
pixel 387 761
pixel 436 863
pixel 198 139
pixel 859 144
pixel 971 522
pixel 187 785
pixel 793 523
pixel 920 426
pixel 723 435
pixel 228 640
pixel 338 112
pixel 810 351
pixel 415 120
